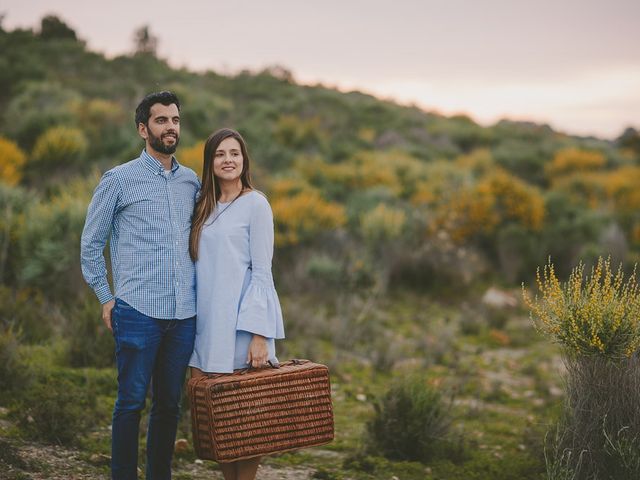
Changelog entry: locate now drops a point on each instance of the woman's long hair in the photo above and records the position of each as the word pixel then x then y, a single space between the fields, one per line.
pixel 210 190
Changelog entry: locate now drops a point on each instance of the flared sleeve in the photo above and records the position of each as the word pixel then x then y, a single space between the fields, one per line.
pixel 259 310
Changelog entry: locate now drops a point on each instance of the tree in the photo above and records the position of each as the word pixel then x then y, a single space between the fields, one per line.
pixel 52 28
pixel 630 139
pixel 145 42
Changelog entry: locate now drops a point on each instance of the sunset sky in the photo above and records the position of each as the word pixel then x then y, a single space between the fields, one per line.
pixel 574 64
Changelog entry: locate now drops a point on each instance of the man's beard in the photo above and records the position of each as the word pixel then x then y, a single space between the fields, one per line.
pixel 159 146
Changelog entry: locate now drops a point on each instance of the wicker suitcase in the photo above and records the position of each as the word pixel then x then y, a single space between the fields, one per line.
pixel 257 412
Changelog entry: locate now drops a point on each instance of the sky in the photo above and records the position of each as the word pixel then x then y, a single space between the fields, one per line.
pixel 574 64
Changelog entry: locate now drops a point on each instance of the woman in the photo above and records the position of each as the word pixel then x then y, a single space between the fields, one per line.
pixel 238 311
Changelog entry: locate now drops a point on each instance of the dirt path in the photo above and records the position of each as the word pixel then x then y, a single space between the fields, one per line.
pixel 35 461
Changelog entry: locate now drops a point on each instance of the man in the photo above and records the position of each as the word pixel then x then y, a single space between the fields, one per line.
pixel 145 206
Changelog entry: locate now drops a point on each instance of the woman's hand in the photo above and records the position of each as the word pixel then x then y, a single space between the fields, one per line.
pixel 258 353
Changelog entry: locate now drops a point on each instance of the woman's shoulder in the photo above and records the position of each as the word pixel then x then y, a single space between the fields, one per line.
pixel 258 199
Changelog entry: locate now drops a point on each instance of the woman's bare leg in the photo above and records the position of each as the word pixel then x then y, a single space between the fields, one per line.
pixel 246 469
pixel 229 470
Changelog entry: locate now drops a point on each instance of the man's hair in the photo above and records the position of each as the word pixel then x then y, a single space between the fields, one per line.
pixel 143 111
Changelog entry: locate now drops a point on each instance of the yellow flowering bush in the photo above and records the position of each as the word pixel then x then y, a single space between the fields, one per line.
pixel 472 211
pixel 515 199
pixel 192 157
pixel 443 180
pixel 11 161
pixel 494 200
pixel 303 215
pixel 570 160
pixel 287 186
pixel 395 170
pixel 60 146
pixel 99 118
pixel 590 315
pixel 621 186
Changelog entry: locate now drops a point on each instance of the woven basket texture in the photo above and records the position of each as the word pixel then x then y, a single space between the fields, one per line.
pixel 258 412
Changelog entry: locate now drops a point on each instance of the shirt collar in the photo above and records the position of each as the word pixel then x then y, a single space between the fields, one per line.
pixel 154 165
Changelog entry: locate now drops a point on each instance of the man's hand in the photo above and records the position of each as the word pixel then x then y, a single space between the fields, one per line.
pixel 106 313
pixel 258 352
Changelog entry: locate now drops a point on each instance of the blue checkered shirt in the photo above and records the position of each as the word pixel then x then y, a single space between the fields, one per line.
pixel 148 213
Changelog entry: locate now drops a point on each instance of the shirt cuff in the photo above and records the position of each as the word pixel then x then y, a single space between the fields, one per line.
pixel 104 294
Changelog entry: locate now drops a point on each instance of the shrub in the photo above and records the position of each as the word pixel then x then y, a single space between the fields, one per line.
pixel 90 343
pixel 49 242
pixel 303 216
pixel 9 364
pixel 13 202
pixel 595 319
pixel 326 270
pixel 382 223
pixel 570 160
pixel 35 107
pixel 192 157
pixel 11 161
pixel 106 125
pixel 601 415
pixel 496 199
pixel 54 409
pixel 411 421
pixel 299 133
pixel 60 146
pixel 26 313
pixel 595 315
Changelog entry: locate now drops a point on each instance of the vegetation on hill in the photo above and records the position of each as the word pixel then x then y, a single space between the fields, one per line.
pixel 390 224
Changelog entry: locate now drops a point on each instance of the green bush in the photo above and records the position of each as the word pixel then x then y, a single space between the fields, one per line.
pixel 411 422
pixel 326 270
pixel 10 379
pixel 13 203
pixel 35 107
pixel 90 343
pixel 54 409
pixel 26 313
pixel 49 241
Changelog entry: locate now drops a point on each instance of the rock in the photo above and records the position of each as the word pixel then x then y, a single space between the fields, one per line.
pixel 499 298
pixel 100 459
pixel 181 445
pixel 555 391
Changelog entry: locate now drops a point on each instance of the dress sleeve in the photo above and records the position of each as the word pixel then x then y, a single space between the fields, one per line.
pixel 260 310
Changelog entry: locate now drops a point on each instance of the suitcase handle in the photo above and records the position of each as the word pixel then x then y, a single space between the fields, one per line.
pixel 242 371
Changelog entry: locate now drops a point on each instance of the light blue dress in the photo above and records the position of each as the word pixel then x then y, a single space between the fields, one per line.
pixel 236 296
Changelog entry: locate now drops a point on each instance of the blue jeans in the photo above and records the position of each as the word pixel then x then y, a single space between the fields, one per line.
pixel 156 351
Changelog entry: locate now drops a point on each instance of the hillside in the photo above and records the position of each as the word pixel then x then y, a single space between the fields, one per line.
pixel 396 230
